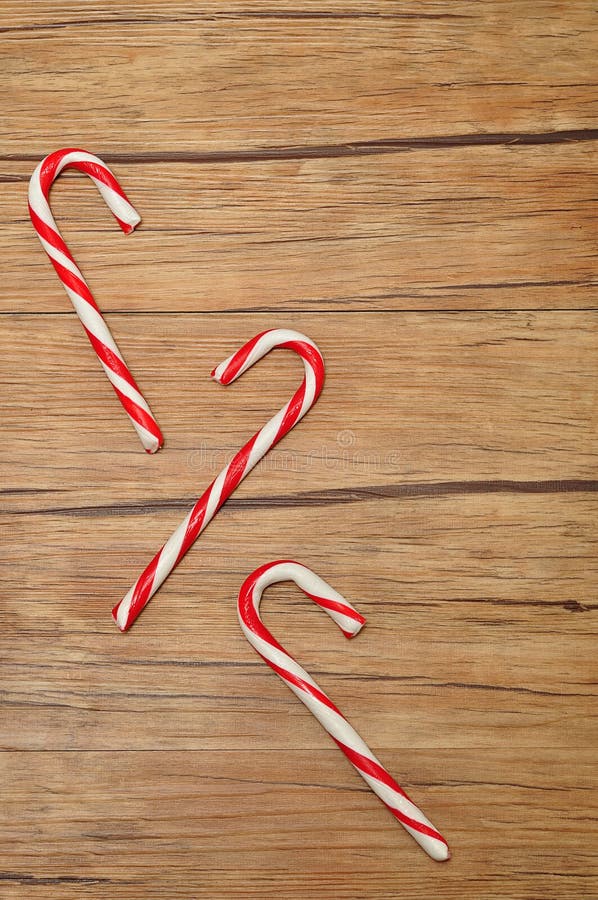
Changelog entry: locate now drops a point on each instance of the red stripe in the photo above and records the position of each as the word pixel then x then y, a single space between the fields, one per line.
pixel 124 226
pixel 139 415
pixel 240 357
pixel 251 617
pixel 257 573
pixel 236 468
pixel 246 591
pixel 325 602
pixel 415 825
pixel 234 473
pixel 100 171
pixel 76 284
pixel 253 620
pixel 144 586
pixel 106 354
pixel 198 514
pixel 292 413
pixel 141 594
pixel 49 235
pixel 371 767
pixel 311 355
pixel 113 361
pixel 48 168
pixel 303 685
pixel 337 606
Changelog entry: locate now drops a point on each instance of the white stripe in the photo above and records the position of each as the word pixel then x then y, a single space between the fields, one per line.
pixel 120 207
pixel 149 441
pixel 93 320
pixel 346 623
pixel 308 581
pixel 267 435
pixel 393 798
pixel 264 440
pixel 283 660
pixel 310 390
pixel 37 200
pixel 125 388
pixel 169 554
pixel 96 324
pixel 123 609
pixel 60 258
pixel 214 498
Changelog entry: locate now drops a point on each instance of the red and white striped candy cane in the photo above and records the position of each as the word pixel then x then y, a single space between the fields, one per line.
pixel 125 612
pixel 75 285
pixel 357 752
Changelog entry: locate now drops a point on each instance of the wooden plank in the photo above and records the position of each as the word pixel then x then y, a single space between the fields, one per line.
pixel 410 400
pixel 480 610
pixel 323 75
pixel 459 229
pixel 259 824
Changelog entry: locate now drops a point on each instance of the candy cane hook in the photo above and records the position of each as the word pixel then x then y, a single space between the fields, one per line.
pixel 75 285
pixel 125 612
pixel 357 752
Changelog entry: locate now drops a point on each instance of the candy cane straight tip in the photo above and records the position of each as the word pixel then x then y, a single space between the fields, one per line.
pixel 75 285
pixel 308 691
pixel 125 612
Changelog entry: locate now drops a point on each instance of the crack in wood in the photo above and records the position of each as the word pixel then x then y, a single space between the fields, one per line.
pixel 332 496
pixel 333 151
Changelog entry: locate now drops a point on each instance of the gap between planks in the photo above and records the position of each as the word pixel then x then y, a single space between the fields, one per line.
pixel 332 151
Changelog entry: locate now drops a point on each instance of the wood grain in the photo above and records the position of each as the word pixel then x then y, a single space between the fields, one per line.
pixel 410 400
pixel 469 638
pixel 413 185
pixel 111 818
pixel 249 77
pixel 502 227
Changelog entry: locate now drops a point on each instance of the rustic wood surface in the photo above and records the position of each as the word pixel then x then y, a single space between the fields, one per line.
pixel 413 185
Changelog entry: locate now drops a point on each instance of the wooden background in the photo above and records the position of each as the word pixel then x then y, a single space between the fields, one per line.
pixel 414 186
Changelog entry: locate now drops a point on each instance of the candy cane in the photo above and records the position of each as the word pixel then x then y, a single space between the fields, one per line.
pixel 75 285
pixel 357 752
pixel 125 612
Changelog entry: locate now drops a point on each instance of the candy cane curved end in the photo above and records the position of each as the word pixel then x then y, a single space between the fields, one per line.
pixel 242 463
pixel 75 285
pixel 308 691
